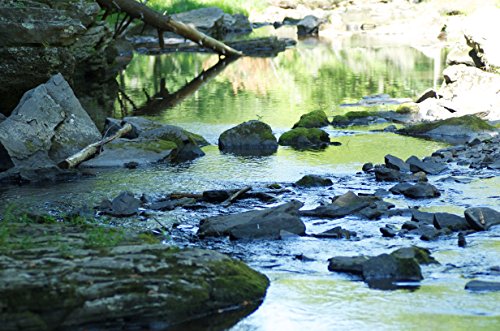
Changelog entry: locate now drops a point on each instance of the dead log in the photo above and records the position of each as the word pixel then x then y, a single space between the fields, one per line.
pixel 91 150
pixel 236 196
pixel 165 23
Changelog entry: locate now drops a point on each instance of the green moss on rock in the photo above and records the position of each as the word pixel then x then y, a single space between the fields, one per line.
pixel 472 122
pixel 305 138
pixel 314 119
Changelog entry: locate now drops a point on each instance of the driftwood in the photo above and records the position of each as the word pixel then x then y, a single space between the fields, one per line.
pixel 92 149
pixel 236 196
pixel 180 195
pixel 149 16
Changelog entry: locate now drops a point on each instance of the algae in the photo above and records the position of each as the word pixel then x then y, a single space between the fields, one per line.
pixel 304 137
pixel 470 121
pixel 314 119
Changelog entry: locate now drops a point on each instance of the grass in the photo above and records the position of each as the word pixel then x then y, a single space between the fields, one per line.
pixel 228 6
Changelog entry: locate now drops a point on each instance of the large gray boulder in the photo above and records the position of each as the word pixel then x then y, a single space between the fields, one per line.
pixel 309 26
pixel 481 218
pixel 48 125
pixel 258 224
pixel 249 138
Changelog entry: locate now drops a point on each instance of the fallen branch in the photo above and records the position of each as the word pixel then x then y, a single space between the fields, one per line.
pixel 236 196
pixel 91 150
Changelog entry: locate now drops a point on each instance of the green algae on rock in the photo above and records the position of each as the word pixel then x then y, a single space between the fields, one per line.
pixel 303 138
pixel 314 119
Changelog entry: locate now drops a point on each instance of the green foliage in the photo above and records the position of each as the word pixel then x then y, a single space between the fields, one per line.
pixel 405 109
pixel 98 237
pixel 228 6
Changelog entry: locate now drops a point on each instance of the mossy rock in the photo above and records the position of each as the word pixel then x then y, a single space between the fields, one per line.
pixel 407 109
pixel 422 255
pixel 314 119
pixel 74 281
pixel 249 138
pixel 305 138
pixel 352 116
pixel 313 181
pixel 452 130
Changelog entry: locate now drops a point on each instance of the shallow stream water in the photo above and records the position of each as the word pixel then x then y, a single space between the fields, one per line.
pixel 314 75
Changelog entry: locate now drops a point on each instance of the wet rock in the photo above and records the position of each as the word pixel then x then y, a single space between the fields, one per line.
pixel 2 117
pixel 416 191
pixel 394 162
pixel 410 225
pixel 422 255
pixel 314 119
pixel 48 125
pixel 482 286
pixel 285 235
pixel 462 242
pixel 172 204
pixel 391 268
pixel 376 209
pixel 430 93
pixel 388 231
pixel 258 224
pixel 125 204
pixel 217 196
pixel 313 181
pixel 456 130
pixel 249 138
pixel 367 167
pixel 390 128
pixel 309 26
pixel 450 221
pixel 384 174
pixel 349 264
pixel 429 167
pixel 336 233
pixel 428 233
pixel 422 217
pixel 481 218
pixel 346 204
pixel 304 138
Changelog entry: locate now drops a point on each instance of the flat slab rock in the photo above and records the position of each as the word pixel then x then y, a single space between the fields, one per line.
pixel 256 224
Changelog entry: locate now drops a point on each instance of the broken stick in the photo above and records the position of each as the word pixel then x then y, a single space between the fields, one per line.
pixel 91 150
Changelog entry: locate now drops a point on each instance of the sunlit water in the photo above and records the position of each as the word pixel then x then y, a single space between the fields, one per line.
pixel 314 75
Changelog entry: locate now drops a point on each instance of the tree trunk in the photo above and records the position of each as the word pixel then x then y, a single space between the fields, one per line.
pixel 165 23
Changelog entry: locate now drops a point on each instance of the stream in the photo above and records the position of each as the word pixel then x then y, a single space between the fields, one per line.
pixel 316 74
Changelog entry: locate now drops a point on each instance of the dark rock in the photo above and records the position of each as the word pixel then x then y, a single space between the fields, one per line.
pixel 125 204
pixel 303 138
pixel 482 286
pixel 2 117
pixel 450 221
pixel 314 119
pixel 410 225
pixel 258 224
pixel 390 128
pixel 417 191
pixel 308 26
pixel 172 204
pixel 428 233
pixel 336 233
pixel 462 242
pixel 394 162
pixel 346 204
pixel 422 217
pixel 131 165
pixel 217 196
pixel 391 268
pixel 249 138
pixel 349 264
pixel 48 125
pixel 367 167
pixel 482 218
pixel 431 168
pixel 388 231
pixel 376 209
pixel 313 181
pixel 399 188
pixel 384 174
pixel 422 255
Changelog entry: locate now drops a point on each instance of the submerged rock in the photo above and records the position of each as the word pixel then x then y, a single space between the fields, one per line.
pixel 349 264
pixel 257 224
pixel 314 119
pixel 336 233
pixel 482 286
pixel 304 138
pixel 249 138
pixel 313 181
pixel 482 218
